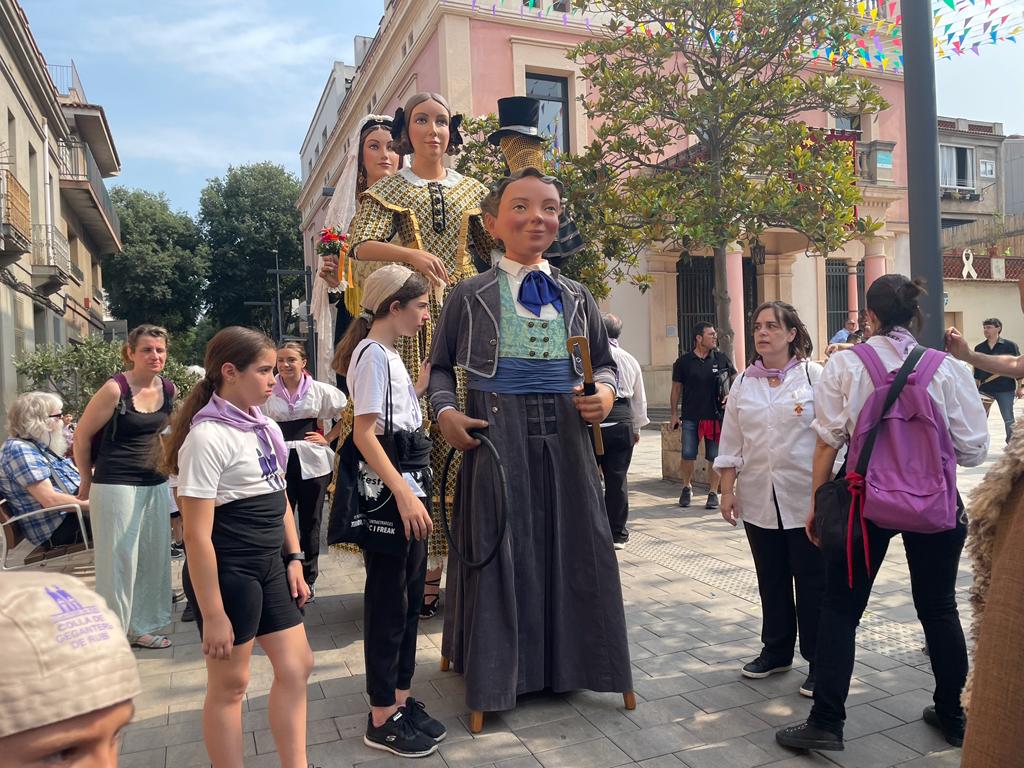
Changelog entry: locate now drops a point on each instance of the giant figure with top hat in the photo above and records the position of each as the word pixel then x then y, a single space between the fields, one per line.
pixel 546 612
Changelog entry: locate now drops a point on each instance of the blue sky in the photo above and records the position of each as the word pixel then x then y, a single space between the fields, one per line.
pixel 192 86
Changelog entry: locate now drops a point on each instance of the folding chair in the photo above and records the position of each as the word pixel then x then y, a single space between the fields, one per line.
pixel 12 536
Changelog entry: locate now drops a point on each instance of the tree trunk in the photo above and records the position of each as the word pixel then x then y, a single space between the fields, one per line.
pixel 723 303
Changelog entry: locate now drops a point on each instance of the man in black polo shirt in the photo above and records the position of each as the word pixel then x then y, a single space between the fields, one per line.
pixel 1002 389
pixel 696 376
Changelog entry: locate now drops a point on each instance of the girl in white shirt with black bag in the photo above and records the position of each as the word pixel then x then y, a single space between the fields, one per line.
pixel 393 523
pixel 767 439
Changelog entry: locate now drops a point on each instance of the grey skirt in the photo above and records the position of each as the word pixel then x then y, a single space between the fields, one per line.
pixel 547 612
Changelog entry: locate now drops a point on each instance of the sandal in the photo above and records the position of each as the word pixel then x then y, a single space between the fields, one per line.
pixel 430 602
pixel 151 642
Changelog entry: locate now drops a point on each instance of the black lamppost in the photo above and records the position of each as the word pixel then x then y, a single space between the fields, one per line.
pixel 923 162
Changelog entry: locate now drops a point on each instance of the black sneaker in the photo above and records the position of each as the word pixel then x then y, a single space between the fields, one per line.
pixel 684 497
pixel 762 667
pixel 189 613
pixel 177 550
pixel 952 731
pixel 807 689
pixel 807 736
pixel 416 711
pixel 399 737
pixel 712 501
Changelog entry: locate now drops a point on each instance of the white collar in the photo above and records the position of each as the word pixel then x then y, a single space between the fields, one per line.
pixel 514 268
pixel 452 177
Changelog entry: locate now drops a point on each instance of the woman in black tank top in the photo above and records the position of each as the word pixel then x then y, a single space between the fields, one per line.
pixel 115 450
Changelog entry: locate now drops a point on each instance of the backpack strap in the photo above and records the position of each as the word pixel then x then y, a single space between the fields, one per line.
pixel 929 365
pixel 872 362
pixel 168 394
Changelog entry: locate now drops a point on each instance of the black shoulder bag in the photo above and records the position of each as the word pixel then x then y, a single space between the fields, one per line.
pixel 364 510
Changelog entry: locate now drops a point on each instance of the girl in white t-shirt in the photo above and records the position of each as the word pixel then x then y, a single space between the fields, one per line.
pixel 395 304
pixel 244 569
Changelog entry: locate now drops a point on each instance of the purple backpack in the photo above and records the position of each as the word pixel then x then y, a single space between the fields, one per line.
pixel 905 477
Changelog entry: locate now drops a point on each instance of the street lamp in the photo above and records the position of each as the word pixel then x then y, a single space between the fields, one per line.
pixel 758 253
pixel 274 328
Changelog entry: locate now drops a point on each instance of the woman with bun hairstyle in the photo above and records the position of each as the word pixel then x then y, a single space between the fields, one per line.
pixel 893 310
pixel 244 568
pixel 115 450
pixel 434 213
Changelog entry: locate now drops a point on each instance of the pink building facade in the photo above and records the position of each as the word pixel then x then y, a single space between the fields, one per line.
pixel 475 53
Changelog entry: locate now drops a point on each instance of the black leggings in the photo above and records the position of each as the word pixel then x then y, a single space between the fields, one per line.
pixel 933 559
pixel 391 615
pixel 307 501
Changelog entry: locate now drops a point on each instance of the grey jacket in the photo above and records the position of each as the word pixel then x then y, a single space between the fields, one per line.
pixel 468 333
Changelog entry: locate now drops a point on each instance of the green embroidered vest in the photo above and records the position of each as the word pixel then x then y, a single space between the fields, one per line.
pixel 529 338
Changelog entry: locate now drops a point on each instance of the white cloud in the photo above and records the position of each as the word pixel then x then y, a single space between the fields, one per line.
pixel 236 42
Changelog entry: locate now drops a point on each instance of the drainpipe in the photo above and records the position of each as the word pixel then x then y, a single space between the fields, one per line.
pixel 48 194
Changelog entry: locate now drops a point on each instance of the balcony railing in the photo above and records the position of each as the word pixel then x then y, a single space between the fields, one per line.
pixel 17 209
pixel 59 252
pixel 77 273
pixel 78 164
pixel 65 80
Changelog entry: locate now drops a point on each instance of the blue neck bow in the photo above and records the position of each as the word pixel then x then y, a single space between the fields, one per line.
pixel 539 288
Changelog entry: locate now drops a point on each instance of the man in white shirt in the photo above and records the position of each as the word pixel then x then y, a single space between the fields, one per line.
pixel 621 432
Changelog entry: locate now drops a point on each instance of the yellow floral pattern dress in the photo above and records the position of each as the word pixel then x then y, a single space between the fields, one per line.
pixel 443 218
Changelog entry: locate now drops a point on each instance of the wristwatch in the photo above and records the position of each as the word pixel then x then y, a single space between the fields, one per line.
pixel 300 556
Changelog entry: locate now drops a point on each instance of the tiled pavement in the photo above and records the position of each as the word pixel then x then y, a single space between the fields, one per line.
pixel 693 615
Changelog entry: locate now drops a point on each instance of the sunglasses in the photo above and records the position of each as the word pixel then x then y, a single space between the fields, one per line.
pixel 56 415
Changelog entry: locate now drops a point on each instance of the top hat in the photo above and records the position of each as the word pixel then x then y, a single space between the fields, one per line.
pixel 517 115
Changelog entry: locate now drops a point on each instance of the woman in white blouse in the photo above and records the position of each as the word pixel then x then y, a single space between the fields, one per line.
pixel 298 404
pixel 933 559
pixel 764 461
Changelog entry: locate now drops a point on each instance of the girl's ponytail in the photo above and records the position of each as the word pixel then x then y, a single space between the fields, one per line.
pixel 181 423
pixel 358 330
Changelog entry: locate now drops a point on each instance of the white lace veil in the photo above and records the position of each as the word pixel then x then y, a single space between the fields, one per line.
pixel 339 214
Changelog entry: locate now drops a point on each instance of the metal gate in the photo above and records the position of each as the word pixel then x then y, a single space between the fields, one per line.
pixel 837 293
pixel 695 297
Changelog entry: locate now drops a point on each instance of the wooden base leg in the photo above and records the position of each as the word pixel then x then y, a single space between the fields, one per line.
pixel 629 700
pixel 445 664
pixel 476 721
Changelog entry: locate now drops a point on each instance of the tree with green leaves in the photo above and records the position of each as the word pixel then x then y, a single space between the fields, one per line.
pixel 607 257
pixel 245 216
pixel 74 371
pixel 697 107
pixel 159 276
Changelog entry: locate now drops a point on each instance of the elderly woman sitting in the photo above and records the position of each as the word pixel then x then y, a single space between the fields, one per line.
pixel 35 475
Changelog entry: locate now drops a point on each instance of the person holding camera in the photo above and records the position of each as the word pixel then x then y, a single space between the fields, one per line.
pixel 700 381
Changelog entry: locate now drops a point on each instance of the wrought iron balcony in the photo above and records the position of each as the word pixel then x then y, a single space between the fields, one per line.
pixel 51 259
pixel 16 213
pixel 80 176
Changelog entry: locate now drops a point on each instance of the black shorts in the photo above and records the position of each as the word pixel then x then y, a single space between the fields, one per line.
pixel 254 590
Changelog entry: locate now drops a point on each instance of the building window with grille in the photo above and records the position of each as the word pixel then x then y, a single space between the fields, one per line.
pixel 553 93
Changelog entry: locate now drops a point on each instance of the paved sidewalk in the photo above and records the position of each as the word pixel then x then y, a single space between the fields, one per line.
pixel 694 619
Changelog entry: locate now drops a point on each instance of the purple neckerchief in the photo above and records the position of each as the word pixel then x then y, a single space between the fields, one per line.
pixel 282 391
pixel 272 446
pixel 902 341
pixel 758 371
